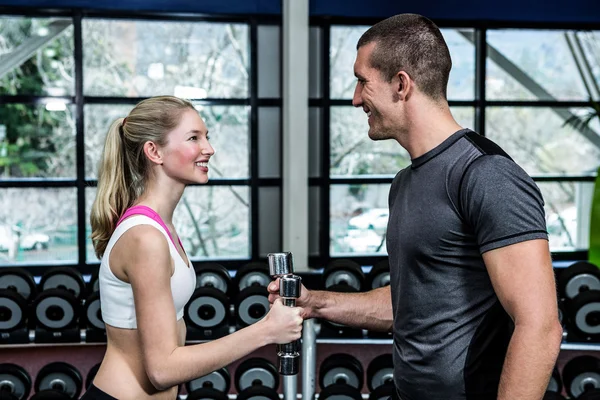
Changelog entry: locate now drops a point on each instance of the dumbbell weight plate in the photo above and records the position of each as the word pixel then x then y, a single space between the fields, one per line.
pixel 213 275
pixel 61 377
pixel 343 272
pixel 208 308
pixel 218 380
pixel 13 310
pixel 50 394
pixel 380 372
pixel 340 392
pixel 94 284
pixel 580 374
pixel 206 394
pixel 341 369
pixel 379 275
pixel 258 393
pixel 14 380
pixel 91 375
pixel 253 274
pixel 93 313
pixel 584 314
pixel 552 396
pixel 252 304
pixel 19 280
pixel 56 309
pixel 64 278
pixel 578 277
pixel 555 384
pixel 592 394
pixel 383 392
pixel 256 371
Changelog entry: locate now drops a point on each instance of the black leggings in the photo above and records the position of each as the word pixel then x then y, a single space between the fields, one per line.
pixel 93 393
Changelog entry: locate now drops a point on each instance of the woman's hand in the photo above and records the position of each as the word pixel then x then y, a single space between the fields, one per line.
pixel 283 324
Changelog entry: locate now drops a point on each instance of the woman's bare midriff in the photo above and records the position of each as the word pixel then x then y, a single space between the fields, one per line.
pixel 122 373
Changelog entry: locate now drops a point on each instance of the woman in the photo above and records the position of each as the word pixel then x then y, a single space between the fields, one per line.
pixel 145 275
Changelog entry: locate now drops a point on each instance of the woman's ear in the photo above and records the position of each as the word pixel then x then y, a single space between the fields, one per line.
pixel 153 153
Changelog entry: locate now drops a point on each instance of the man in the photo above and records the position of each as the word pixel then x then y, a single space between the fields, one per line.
pixel 472 300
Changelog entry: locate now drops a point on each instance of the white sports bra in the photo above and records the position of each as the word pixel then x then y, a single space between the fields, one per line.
pixel 116 296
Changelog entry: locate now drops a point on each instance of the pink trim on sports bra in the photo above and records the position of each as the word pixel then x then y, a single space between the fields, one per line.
pixel 150 213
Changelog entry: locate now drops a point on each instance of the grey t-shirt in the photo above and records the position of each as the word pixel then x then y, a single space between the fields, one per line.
pixel 457 201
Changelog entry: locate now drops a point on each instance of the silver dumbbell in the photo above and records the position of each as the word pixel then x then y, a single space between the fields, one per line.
pixel 281 266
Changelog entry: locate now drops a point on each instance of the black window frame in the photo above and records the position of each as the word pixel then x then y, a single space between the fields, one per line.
pixel 78 100
pixel 479 104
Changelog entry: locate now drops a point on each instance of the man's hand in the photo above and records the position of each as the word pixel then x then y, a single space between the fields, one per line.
pixel 303 301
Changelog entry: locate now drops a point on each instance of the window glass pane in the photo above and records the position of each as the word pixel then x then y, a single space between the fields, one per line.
pixel 590 42
pixel 537 139
pixel 147 58
pixel 38 226
pixel 37 141
pixel 342 53
pixel 37 56
pixel 359 215
pixel 567 214
pixel 465 116
pixel 228 130
pixel 214 222
pixel 353 153
pixel 532 65
pixel 90 255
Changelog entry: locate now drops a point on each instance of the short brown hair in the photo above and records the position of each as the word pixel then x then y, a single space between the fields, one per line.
pixel 414 44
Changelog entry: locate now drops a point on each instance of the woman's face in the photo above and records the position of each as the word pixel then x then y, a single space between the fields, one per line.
pixel 187 152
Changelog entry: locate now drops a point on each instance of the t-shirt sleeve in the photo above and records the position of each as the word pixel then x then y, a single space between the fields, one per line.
pixel 501 203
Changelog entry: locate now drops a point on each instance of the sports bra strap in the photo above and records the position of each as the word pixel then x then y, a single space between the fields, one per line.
pixel 150 213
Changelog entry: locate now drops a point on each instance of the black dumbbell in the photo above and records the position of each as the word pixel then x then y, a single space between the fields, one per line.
pixel 56 313
pixel 251 305
pixel 94 284
pixel 13 317
pixel 591 394
pixel 341 369
pixel 336 391
pixel 578 277
pixel 380 372
pixel 256 372
pixel 258 392
pixel 553 396
pixel 252 301
pixel 18 280
pixel 66 278
pixel 15 382
pixel 581 374
pixel 92 315
pixel 343 273
pixel 555 384
pixel 584 316
pixel 58 379
pixel 214 386
pixel 207 313
pixel 378 276
pixel 213 275
pixel 251 275
pixel 91 375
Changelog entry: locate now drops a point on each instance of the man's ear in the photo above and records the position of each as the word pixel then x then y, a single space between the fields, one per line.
pixel 153 153
pixel 404 85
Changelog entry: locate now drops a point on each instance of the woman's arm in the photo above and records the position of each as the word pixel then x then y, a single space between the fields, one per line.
pixel 168 364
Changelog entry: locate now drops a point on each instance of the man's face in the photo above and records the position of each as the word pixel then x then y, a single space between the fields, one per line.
pixel 375 96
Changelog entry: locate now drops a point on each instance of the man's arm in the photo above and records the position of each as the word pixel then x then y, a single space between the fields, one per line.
pixel 523 280
pixel 370 310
